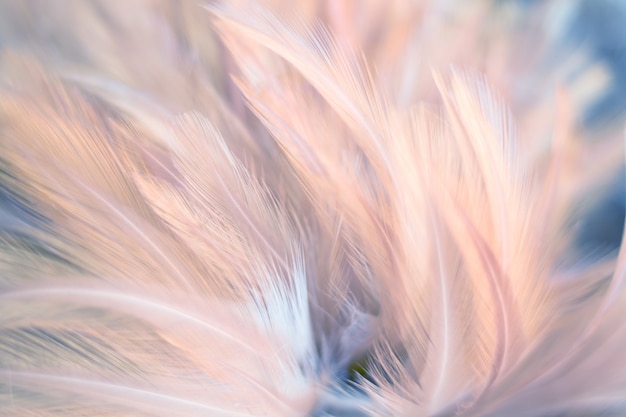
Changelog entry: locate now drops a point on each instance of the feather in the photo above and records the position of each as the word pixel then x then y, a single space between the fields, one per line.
pixel 300 209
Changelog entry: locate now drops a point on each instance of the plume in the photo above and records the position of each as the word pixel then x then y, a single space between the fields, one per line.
pixel 312 208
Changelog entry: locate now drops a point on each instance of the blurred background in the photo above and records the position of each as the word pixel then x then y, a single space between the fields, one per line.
pixel 601 26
